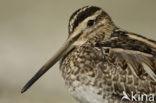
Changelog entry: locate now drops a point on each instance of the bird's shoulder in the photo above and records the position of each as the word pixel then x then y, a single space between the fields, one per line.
pixel 131 51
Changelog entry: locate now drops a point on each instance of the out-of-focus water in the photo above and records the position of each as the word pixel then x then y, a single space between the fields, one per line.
pixel 31 31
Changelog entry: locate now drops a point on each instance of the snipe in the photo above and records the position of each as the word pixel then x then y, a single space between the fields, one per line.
pixel 100 62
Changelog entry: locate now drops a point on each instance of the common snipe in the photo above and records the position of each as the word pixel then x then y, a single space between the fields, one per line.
pixel 100 62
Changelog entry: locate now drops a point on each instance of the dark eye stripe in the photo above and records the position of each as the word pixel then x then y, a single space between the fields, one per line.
pixel 83 15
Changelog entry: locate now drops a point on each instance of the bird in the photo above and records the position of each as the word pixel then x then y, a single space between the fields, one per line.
pixel 100 62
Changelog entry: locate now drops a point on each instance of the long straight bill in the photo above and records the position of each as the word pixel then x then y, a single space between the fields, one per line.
pixel 61 52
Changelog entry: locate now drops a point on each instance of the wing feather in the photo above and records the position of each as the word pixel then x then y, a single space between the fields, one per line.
pixel 138 56
pixel 137 62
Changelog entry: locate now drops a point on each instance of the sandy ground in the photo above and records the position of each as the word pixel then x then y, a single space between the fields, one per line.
pixel 31 31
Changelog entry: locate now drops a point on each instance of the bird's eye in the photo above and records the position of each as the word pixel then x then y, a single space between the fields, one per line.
pixel 90 23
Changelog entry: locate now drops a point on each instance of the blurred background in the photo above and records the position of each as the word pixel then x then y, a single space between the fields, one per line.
pixel 31 31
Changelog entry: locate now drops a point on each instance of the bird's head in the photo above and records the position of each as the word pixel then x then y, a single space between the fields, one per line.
pixel 87 22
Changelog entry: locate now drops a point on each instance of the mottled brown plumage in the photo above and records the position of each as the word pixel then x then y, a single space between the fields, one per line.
pixel 100 61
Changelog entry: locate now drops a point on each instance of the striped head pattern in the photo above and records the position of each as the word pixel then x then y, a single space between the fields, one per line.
pixel 87 21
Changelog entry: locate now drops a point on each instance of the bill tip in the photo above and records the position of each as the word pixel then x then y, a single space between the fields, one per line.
pixel 23 90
